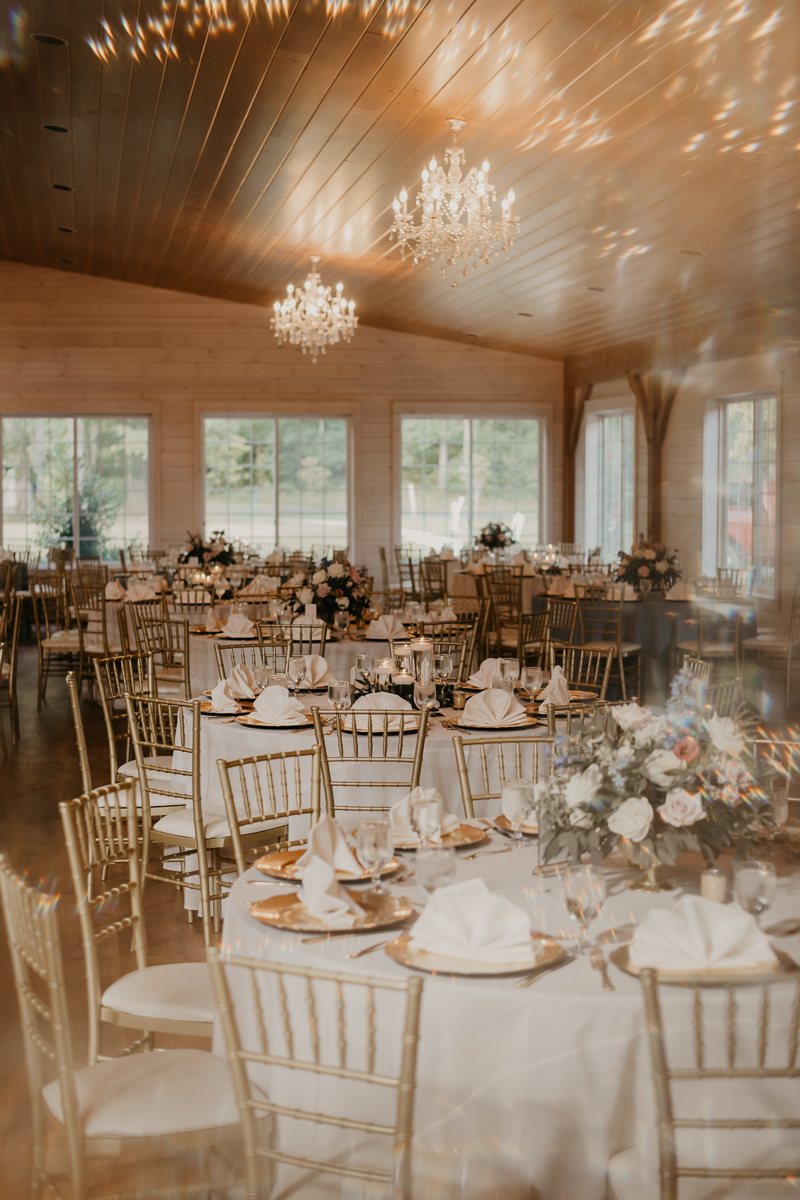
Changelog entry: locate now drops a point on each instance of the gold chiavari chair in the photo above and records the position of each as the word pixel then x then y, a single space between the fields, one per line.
pixel 304 639
pixel 273 655
pixel 192 602
pixel 168 998
pixel 456 638
pixel 532 638
pixel 135 1125
pixel 407 572
pixel 8 592
pixel 266 788
pixel 590 591
pixel 3 742
pixel 585 669
pixel 139 609
pixel 775 647
pixel 717 631
pixel 390 600
pixel 293 1026
pixel 725 699
pixel 473 608
pixel 506 605
pixel 59 643
pixel 385 581
pixel 168 642
pixel 696 667
pixel 9 669
pixel 600 624
pixel 125 644
pixel 743 1032
pixel 562 617
pixel 433 581
pixel 734 582
pixel 507 762
pixel 90 608
pixel 391 752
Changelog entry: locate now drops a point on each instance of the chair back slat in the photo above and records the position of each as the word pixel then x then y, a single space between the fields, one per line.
pixel 585 669
pixel 271 653
pixel 377 745
pixel 497 764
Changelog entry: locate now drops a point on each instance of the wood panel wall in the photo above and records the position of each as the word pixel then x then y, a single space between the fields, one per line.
pixel 78 344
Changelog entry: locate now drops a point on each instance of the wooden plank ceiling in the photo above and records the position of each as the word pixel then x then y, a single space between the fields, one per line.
pixel 652 146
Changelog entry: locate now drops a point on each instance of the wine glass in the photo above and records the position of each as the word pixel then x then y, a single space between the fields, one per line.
pixel 425 815
pixel 442 667
pixel 516 801
pixel 531 680
pixel 297 671
pixel 508 668
pixel 424 695
pixel 261 676
pixel 341 621
pixel 365 666
pixel 435 866
pixel 375 848
pixel 339 694
pixel 754 887
pixel 644 587
pixel 584 893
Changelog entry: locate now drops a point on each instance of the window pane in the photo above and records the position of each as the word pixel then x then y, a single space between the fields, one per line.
pixel 240 478
pixel 749 494
pixel 112 484
pixel 737 547
pixel 505 476
pixel 37 481
pixel 615 483
pixel 312 501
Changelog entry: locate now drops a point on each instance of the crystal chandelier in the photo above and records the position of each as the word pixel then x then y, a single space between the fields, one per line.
pixel 313 318
pixel 456 225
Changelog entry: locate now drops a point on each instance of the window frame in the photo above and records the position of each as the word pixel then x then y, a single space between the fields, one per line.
pixel 153 461
pixel 592 504
pixel 715 484
pixel 472 410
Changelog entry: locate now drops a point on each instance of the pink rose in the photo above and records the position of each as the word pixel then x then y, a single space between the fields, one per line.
pixel 644 572
pixel 323 590
pixel 686 749
pixel 681 808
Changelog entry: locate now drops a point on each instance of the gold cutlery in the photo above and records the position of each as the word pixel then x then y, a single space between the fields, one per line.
pixel 368 949
pixel 598 962
pixel 540 972
pixel 478 853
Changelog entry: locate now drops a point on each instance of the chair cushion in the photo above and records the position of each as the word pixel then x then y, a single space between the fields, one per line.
pixel 151 1095
pixel 625 647
pixel 176 673
pixel 767 641
pixel 178 991
pixel 65 645
pixel 215 823
pixel 129 770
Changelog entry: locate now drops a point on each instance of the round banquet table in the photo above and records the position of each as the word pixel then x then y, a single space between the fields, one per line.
pixel 341 657
pixel 516 1088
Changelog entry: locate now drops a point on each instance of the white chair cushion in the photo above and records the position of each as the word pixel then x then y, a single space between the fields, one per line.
pixel 215 823
pixel 177 991
pixel 767 641
pixel 151 1095
pixel 129 770
pixel 65 645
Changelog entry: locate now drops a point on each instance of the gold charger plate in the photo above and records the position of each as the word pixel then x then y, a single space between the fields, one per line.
pixel 208 710
pixel 255 722
pixel 711 976
pixel 288 912
pixel 282 864
pixel 443 964
pixel 502 822
pixel 465 835
pixel 526 724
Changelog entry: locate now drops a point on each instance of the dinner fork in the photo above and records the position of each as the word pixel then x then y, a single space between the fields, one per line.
pixel 598 961
pixel 540 972
pixel 479 853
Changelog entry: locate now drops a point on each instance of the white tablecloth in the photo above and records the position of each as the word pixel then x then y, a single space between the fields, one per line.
pixel 340 656
pixel 463 584
pixel 516 1088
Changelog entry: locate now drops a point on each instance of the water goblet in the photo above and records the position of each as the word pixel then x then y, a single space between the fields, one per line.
pixel 435 866
pixel 442 667
pixel 341 621
pixel 516 801
pixel 339 694
pixel 424 695
pixel 508 668
pixel 584 893
pixel 531 679
pixel 297 671
pixel 754 887
pixel 426 815
pixel 375 848
pixel 365 666
pixel 644 587
pixel 261 676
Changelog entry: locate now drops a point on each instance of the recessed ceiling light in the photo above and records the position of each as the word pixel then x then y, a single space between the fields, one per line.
pixel 62 187
pixel 48 39
pixel 57 128
pixel 524 314
pixel 590 288
pixel 64 229
pixel 70 262
pixel 471 335
pixel 695 253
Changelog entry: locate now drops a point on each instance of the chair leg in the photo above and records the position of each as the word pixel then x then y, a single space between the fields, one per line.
pixel 621 666
pixel 3 735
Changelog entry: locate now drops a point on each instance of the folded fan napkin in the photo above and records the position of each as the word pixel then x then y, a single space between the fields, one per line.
pixel 140 591
pixel 237 626
pixel 303 619
pixel 223 699
pixel 213 623
pixel 696 934
pixel 157 582
pixel 446 614
pixel 326 841
pixel 466 920
pixel 558 585
pixel 557 690
pixel 275 706
pixel 276 557
pixel 387 628
pixel 242 682
pixel 493 708
pixel 383 701
pixel 483 677
pixel 678 591
pixel 114 591
pixel 326 899
pixel 446 554
pixel 569 591
pixel 318 672
pixel 400 817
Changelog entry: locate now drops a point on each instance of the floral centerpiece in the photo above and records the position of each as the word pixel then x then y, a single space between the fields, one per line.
pixel 495 536
pixel 655 785
pixel 649 560
pixel 213 550
pixel 334 585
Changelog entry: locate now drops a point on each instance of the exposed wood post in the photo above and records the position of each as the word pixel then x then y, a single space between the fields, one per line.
pixel 654 400
pixel 574 404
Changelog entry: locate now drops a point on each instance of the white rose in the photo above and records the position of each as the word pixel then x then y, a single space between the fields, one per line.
pixel 653 731
pixel 725 734
pixel 583 787
pixel 305 595
pixel 296 581
pixel 681 808
pixel 631 716
pixel 632 819
pixel 319 576
pixel 343 601
pixel 659 765
pixel 335 570
pixel 580 819
pixel 662 566
pixel 650 554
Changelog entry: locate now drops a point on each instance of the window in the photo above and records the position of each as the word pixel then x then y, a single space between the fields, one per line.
pixel 610 482
pixel 458 474
pixel 276 480
pixel 57 467
pixel 747 509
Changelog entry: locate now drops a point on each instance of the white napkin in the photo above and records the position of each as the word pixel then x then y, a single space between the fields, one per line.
pixel 258 586
pixel 678 591
pixel 317 671
pixel 386 628
pixel 275 706
pixel 476 568
pixel 223 699
pixel 493 708
pixel 241 682
pixel 485 674
pixel 558 585
pixel 466 920
pixel 383 701
pixel 520 559
pixel 557 690
pixel 157 582
pixel 213 623
pixel 630 591
pixel 114 591
pixel 140 591
pixel 237 626
pixel 696 934
pixel 326 899
pixel 400 817
pixel 446 614
pixel 569 591
pixel 326 841
pixel 446 554
pixel 276 557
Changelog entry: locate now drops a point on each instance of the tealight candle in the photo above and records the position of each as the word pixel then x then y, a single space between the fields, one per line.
pixel 714 885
